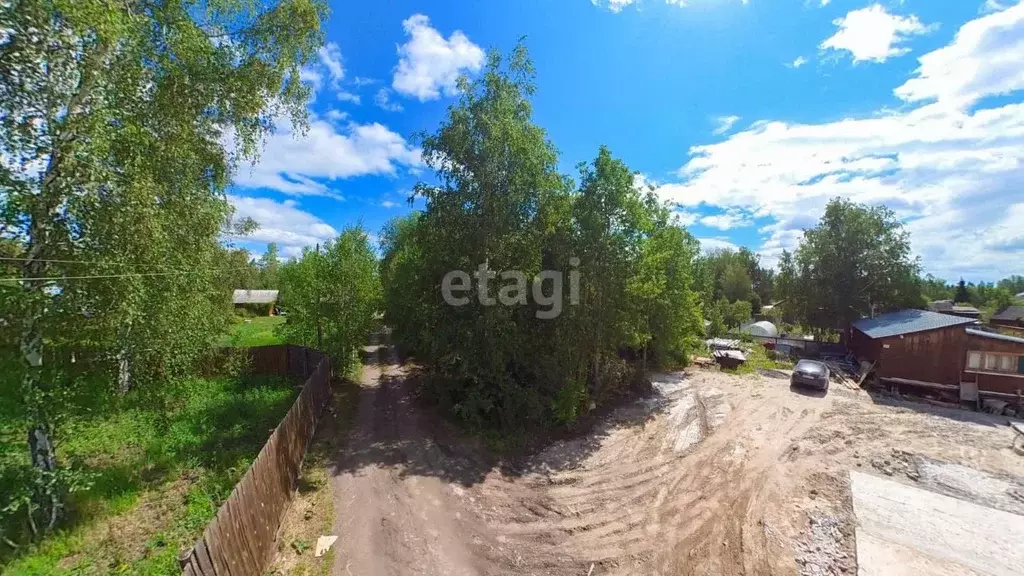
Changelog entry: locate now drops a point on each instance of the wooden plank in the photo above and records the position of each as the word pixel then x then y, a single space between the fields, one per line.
pixel 201 556
pixel 218 546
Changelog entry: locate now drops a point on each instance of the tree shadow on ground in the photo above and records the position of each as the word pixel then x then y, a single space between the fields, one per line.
pixel 397 430
pixel 924 406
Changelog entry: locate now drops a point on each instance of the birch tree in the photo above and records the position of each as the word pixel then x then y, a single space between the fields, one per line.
pixel 120 121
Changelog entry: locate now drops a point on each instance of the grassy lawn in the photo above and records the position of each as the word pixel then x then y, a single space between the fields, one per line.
pixel 158 475
pixel 258 331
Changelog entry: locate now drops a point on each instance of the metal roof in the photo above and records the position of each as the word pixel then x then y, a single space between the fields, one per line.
pixel 994 335
pixel 906 322
pixel 254 296
pixel 1009 313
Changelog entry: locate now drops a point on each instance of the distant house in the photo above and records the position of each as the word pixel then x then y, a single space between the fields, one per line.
pixel 948 307
pixel 921 348
pixel 1011 317
pixel 260 301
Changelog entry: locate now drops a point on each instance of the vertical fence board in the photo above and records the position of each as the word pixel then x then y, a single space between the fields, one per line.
pixel 240 539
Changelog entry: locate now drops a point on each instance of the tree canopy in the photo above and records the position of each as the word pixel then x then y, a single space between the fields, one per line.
pixel 114 119
pixel 855 263
pixel 571 281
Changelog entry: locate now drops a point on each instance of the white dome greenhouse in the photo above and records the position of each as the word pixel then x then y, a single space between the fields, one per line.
pixel 763 329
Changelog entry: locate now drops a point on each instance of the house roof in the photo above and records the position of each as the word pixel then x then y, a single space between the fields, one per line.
pixel 906 322
pixel 1010 313
pixel 949 306
pixel 254 296
pixel 995 335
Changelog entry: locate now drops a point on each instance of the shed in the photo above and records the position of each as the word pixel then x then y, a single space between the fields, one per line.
pixel 994 362
pixel 764 329
pixel 1009 317
pixel 258 299
pixel 948 307
pixel 917 345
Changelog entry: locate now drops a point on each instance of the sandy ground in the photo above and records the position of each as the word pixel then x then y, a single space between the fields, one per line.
pixel 714 474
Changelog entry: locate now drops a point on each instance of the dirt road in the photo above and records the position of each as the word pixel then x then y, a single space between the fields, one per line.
pixel 714 474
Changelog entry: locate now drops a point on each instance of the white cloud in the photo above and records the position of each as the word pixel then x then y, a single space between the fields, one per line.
pixel 312 77
pixel 871 34
pixel 954 175
pixel 824 3
pixel 346 96
pixel 992 6
pixel 363 81
pixel 383 101
pixel 297 165
pixel 731 218
pixel 613 5
pixel 429 65
pixel 336 115
pixel 983 59
pixel 330 57
pixel 716 243
pixel 281 222
pixel 798 62
pixel 389 204
pixel 641 181
pixel 685 217
pixel 725 123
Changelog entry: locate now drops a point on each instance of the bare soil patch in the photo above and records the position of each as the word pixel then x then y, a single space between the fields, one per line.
pixel 711 474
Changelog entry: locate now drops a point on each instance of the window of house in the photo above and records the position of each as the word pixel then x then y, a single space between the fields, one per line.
pixel 974 360
pixel 1007 364
pixel 991 361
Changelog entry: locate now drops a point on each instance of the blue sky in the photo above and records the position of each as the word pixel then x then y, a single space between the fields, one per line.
pixel 747 115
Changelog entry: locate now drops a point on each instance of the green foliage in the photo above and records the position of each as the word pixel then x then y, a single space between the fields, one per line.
pixel 759 358
pixel 933 288
pixel 961 295
pixel 501 202
pixel 191 448
pixel 856 262
pixel 737 275
pixel 257 331
pixel 113 123
pixel 570 402
pixel 332 296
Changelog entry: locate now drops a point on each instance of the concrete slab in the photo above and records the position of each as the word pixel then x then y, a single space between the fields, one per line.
pixel 903 530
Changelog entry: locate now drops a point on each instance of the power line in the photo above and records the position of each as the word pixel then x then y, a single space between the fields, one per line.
pixel 126 275
pixel 94 263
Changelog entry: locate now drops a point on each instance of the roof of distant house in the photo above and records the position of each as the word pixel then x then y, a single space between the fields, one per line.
pixel 1010 313
pixel 949 306
pixel 254 296
pixel 907 322
pixel 994 335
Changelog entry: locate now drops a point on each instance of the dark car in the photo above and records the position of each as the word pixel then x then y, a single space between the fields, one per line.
pixel 810 373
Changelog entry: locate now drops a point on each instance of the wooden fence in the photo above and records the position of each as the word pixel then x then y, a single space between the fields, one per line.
pixel 240 539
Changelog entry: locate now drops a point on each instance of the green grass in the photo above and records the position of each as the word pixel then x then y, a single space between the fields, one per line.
pixel 257 331
pixel 158 474
pixel 758 359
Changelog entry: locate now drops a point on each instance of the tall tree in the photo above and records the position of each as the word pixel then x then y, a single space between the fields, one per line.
pixel 113 117
pixel 961 295
pixel 268 266
pixel 856 262
pixel 333 294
